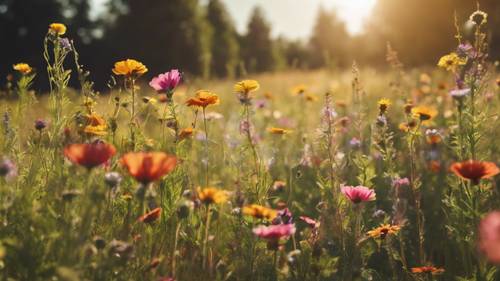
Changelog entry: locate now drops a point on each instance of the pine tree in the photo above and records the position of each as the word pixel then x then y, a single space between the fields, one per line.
pixel 258 45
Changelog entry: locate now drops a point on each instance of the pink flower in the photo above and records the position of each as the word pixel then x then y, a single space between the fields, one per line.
pixel 489 236
pixel 274 232
pixel 166 82
pixel 311 222
pixel 358 194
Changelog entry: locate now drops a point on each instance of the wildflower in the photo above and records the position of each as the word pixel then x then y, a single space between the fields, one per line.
pixel 129 68
pixel 299 90
pixel 245 87
pixel 7 168
pixel 89 155
pixel 399 182
pixel 355 143
pixel 358 194
pixel 65 44
pixel 57 29
pixel 479 17
pixel 451 61
pixel 23 68
pixel 474 170
pixel 259 212
pixel 459 94
pixel 40 124
pixel 489 236
pixel 148 167
pixel 383 230
pixel 427 269
pixel 96 125
pixel 406 127
pixel 186 133
pixel 113 179
pixel 424 113
pixel 203 98
pixel 383 105
pixel 279 185
pixel 212 195
pixel 466 50
pixel 433 136
pixel 278 131
pixel 274 232
pixel 166 82
pixel 150 216
pixel 284 215
pixel 310 222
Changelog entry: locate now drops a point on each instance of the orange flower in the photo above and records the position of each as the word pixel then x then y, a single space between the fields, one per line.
pixel 129 68
pixel 57 28
pixel 427 269
pixel 186 133
pixel 203 99
pixel 474 170
pixel 211 195
pixel 23 68
pixel 424 113
pixel 150 216
pixel 89 155
pixel 96 125
pixel 278 131
pixel 384 230
pixel 147 167
pixel 259 212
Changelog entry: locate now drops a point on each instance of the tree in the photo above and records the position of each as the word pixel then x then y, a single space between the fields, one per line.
pixel 224 44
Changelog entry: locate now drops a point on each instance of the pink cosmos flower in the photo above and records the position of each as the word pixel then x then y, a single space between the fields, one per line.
pixel 310 222
pixel 358 194
pixel 489 236
pixel 167 81
pixel 274 232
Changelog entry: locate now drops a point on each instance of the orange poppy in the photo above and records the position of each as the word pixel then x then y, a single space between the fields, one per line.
pixel 147 167
pixel 89 155
pixel 151 216
pixel 203 98
pixel 474 170
pixel 427 269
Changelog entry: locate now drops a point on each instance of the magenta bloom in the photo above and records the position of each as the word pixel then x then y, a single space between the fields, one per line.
pixel 274 232
pixel 166 82
pixel 358 194
pixel 489 236
pixel 310 222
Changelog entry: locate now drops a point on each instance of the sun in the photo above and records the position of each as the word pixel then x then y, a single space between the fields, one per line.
pixel 353 12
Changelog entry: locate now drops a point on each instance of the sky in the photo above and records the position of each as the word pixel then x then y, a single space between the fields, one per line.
pixel 295 19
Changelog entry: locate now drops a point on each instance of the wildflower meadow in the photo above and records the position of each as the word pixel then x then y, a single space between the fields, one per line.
pixel 354 174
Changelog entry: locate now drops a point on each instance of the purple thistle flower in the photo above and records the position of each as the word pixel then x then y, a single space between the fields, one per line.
pixel 40 124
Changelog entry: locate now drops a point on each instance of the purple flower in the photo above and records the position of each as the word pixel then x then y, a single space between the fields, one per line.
pixel 284 217
pixel 260 103
pixel 65 43
pixel 459 94
pixel 40 124
pixel 166 82
pixel 355 143
pixel 7 168
pixel 398 182
pixel 466 50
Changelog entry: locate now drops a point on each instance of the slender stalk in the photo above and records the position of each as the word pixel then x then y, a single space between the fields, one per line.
pixel 206 148
pixel 205 240
pixel 174 251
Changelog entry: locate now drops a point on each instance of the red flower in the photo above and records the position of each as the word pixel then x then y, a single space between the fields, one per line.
pixel 474 170
pixel 150 216
pixel 89 155
pixel 147 167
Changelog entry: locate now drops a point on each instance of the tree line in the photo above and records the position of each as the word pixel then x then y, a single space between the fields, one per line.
pixel 201 39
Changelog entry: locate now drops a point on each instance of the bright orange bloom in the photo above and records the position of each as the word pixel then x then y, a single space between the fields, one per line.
pixel 203 98
pixel 57 28
pixel 23 68
pixel 186 133
pixel 424 113
pixel 427 269
pixel 259 212
pixel 474 170
pixel 278 131
pixel 96 125
pixel 89 155
pixel 384 230
pixel 129 68
pixel 210 195
pixel 147 167
pixel 150 216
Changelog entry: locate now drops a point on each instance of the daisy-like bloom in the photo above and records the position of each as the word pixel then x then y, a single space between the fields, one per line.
pixel 246 87
pixel 451 61
pixel 96 125
pixel 489 237
pixel 427 270
pixel 274 232
pixel 212 195
pixel 278 131
pixel 358 194
pixel 383 230
pixel 299 90
pixel 424 113
pixel 310 222
pixel 57 28
pixel 89 155
pixel 148 167
pixel 383 104
pixel 259 212
pixel 166 82
pixel 459 94
pixel 129 68
pixel 23 68
pixel 186 133
pixel 474 170
pixel 151 216
pixel 203 98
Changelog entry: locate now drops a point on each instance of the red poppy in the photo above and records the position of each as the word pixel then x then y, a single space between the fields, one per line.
pixel 474 170
pixel 89 155
pixel 147 167
pixel 150 216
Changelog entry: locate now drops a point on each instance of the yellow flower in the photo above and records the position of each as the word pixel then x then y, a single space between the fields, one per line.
pixel 203 98
pixel 96 125
pixel 424 113
pixel 451 61
pixel 212 195
pixel 299 89
pixel 278 131
pixel 259 212
pixel 383 104
pixel 246 86
pixel 383 230
pixel 57 28
pixel 23 68
pixel 129 68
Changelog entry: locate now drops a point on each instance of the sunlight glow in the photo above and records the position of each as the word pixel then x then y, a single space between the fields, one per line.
pixel 353 12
